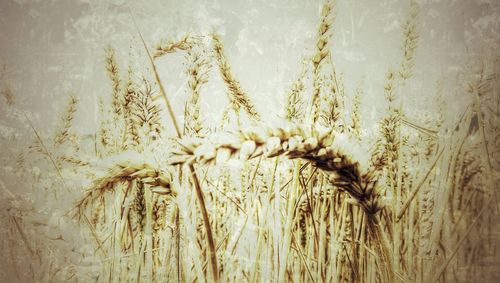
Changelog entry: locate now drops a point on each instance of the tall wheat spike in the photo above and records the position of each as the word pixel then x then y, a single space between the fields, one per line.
pixel 237 96
pixel 66 121
pixel 197 71
pixel 321 52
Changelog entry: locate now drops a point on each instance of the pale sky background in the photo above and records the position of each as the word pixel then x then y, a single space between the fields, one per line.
pixel 53 48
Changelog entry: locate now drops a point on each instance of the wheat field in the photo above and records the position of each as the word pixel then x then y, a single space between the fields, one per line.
pixel 163 188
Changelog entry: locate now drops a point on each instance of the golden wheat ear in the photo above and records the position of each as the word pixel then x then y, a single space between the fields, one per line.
pixel 325 149
pixel 237 96
pixel 62 134
pixel 159 181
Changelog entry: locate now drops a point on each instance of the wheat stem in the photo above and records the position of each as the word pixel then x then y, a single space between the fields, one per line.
pixel 199 193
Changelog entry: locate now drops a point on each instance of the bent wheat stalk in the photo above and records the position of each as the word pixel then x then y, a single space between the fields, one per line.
pixel 197 186
pixel 160 182
pixel 326 150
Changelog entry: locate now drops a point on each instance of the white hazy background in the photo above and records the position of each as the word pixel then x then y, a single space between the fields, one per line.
pixel 54 48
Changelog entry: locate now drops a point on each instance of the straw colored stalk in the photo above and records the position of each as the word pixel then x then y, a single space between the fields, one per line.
pixel 199 193
pixel 392 157
pixel 327 151
pixel 391 123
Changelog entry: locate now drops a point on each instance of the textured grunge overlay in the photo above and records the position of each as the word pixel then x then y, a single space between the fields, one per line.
pixel 249 141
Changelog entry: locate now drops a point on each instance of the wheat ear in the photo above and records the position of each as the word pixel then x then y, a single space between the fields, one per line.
pixel 160 182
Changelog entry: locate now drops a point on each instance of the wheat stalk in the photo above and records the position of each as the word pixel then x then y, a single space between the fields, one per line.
pixel 322 51
pixel 199 193
pixel 160 182
pixel 294 99
pixel 327 151
pixel 410 42
pixel 145 115
pixel 319 145
pixel 130 133
pixel 237 96
pixel 114 75
pixel 355 116
pixel 66 121
pixel 197 72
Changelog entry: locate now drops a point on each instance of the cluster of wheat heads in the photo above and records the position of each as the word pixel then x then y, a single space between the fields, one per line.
pixel 323 200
